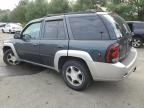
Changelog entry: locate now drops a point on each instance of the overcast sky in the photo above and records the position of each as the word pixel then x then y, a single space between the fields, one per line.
pixel 8 4
pixel 11 4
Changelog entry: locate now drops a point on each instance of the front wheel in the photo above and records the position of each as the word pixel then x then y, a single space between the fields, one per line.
pixel 76 75
pixel 10 59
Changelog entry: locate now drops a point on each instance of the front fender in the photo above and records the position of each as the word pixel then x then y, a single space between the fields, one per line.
pixel 12 47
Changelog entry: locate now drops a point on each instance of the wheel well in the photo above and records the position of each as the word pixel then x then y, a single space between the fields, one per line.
pixel 63 59
pixel 5 48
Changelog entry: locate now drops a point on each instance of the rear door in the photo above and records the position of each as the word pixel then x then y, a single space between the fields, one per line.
pixel 122 32
pixel 54 39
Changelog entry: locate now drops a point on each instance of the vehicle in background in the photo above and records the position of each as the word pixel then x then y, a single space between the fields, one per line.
pixel 137 27
pixel 12 28
pixel 2 24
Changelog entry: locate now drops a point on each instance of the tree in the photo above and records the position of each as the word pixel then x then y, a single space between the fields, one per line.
pixel 129 9
pixel 59 6
pixel 124 10
pixel 139 8
pixel 4 15
pixel 88 4
pixel 36 9
pixel 18 14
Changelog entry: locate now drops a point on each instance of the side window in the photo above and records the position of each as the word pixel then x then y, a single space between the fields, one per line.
pixel 88 28
pixel 54 30
pixel 33 30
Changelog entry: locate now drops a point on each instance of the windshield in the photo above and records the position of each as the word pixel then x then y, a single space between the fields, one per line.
pixel 119 24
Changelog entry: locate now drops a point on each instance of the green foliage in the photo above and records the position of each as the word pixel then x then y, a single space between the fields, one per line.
pixel 139 8
pixel 126 11
pixel 58 6
pixel 27 10
pixel 129 9
pixel 87 4
pixel 18 14
pixel 36 9
pixel 4 15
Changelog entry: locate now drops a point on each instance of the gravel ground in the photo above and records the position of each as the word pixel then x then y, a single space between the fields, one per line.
pixel 29 86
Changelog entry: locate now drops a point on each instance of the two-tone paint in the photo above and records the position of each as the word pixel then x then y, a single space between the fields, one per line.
pixel 47 53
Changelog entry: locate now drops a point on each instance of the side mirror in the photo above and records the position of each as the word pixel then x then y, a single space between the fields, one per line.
pixel 26 37
pixel 17 35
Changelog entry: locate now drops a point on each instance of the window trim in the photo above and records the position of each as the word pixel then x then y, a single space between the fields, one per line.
pixel 51 20
pixel 28 25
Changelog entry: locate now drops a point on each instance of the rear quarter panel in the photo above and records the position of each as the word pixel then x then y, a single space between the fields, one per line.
pixel 96 49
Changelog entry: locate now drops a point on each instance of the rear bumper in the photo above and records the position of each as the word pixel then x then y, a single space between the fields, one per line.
pixel 117 71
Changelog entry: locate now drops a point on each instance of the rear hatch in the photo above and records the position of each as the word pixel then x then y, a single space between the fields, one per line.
pixel 123 34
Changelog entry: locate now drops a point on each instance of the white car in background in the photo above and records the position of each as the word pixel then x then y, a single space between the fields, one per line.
pixel 12 28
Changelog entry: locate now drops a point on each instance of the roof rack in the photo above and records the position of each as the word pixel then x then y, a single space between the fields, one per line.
pixel 79 12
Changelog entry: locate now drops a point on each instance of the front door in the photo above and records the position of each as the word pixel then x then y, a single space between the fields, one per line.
pixel 28 46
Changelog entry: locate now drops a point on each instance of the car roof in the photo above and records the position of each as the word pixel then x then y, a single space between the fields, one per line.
pixel 61 15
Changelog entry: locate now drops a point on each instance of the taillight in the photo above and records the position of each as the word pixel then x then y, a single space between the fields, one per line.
pixel 112 54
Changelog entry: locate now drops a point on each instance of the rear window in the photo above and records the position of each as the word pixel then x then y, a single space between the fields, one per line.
pixel 120 26
pixel 88 28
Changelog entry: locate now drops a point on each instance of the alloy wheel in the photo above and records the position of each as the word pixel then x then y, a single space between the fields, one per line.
pixel 12 59
pixel 74 76
pixel 136 43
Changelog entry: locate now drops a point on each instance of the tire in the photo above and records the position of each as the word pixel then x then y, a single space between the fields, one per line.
pixel 9 58
pixel 137 42
pixel 82 78
pixel 3 31
pixel 10 32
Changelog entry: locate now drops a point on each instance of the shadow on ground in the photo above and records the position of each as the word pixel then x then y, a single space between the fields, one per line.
pixel 22 69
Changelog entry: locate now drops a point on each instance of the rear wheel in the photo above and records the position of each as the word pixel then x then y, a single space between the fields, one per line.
pixel 3 31
pixel 137 42
pixel 76 75
pixel 10 59
pixel 10 32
